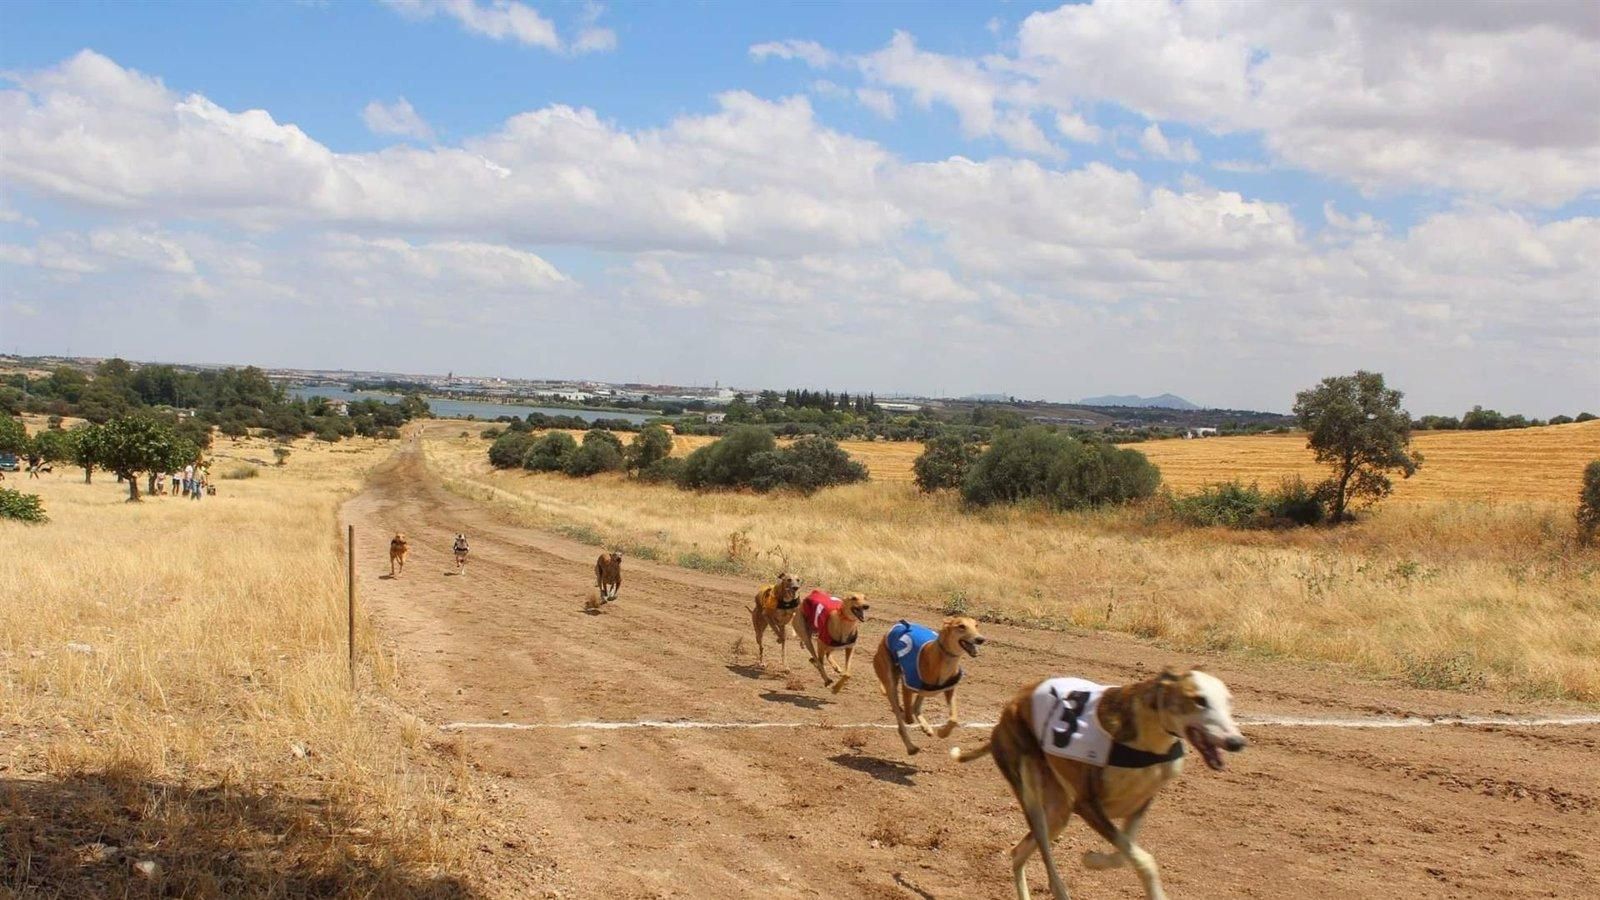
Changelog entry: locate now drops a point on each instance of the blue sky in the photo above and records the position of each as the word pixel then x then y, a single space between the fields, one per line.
pixel 1227 201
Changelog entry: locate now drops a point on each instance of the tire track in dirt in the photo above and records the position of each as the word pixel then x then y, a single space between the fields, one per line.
pixel 829 812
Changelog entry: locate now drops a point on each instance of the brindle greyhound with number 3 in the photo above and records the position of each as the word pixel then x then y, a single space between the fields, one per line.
pixel 1071 746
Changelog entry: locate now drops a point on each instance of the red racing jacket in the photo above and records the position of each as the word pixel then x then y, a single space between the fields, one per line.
pixel 817 607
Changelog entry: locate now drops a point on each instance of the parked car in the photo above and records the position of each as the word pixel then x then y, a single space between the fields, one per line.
pixel 9 463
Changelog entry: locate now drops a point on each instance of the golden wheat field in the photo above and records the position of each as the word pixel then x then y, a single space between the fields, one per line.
pixel 173 690
pixel 1455 594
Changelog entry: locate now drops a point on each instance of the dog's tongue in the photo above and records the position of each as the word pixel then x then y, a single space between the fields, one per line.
pixel 1208 750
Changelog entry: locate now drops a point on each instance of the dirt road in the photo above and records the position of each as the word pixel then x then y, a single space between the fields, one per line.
pixel 829 811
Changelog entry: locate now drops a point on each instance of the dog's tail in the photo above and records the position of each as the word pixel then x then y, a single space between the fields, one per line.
pixel 960 755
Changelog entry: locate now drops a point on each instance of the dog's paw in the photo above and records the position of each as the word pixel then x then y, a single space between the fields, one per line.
pixel 839 684
pixel 946 728
pixel 1098 861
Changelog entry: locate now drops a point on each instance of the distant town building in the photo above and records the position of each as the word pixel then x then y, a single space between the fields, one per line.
pixel 716 418
pixel 1200 432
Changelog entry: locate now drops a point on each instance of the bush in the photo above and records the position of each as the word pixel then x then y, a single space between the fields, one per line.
pixel 651 445
pixel 594 457
pixel 281 453
pixel 490 433
pixel 1584 417
pixel 21 507
pixel 728 461
pixel 550 452
pixel 1297 502
pixel 1560 420
pixel 1035 463
pixel 664 470
pixel 1589 503
pixel 601 436
pixel 810 464
pixel 239 472
pixel 1228 504
pixel 944 463
pixel 509 449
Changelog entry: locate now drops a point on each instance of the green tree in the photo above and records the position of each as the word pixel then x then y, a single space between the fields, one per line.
pixel 601 452
pixel 727 462
pixel 1589 503
pixel 52 445
pixel 550 452
pixel 509 449
pixel 652 444
pixel 1356 427
pixel 810 464
pixel 86 449
pixel 1035 463
pixel 13 437
pixel 281 454
pixel 133 444
pixel 944 463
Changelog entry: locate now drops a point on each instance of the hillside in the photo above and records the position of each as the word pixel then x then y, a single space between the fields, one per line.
pixel 1160 401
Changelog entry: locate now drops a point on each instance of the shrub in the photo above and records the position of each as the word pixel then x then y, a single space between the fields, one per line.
pixel 1584 417
pixel 490 433
pixel 728 461
pixel 1589 503
pixel 594 457
pixel 550 452
pixel 651 445
pixel 21 507
pixel 239 472
pixel 944 463
pixel 664 470
pixel 810 464
pixel 601 436
pixel 509 449
pixel 281 453
pixel 1035 463
pixel 1228 504
pixel 1560 420
pixel 1297 502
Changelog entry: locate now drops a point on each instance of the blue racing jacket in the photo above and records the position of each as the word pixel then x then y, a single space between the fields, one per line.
pixel 906 640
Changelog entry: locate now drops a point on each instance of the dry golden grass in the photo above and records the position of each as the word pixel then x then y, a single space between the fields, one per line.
pixel 173 689
pixel 1528 464
pixel 1446 594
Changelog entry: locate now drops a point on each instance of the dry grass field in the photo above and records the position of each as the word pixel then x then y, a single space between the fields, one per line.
pixel 1438 593
pixel 1530 464
pixel 173 690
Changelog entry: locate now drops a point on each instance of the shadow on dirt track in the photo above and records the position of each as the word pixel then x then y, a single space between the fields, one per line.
pixel 82 836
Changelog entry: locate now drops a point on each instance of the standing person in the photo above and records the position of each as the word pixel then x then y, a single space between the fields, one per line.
pixel 188 479
pixel 461 552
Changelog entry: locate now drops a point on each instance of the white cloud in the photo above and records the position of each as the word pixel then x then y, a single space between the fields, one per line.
pixel 509 20
pixel 722 230
pixel 880 102
pixel 398 118
pixel 595 40
pixel 1154 142
pixel 1075 127
pixel 811 53
pixel 1493 99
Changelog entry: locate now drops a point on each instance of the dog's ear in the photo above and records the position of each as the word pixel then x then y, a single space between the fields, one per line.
pixel 1168 674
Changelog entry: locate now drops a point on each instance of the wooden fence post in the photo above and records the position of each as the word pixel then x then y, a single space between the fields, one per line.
pixel 350 580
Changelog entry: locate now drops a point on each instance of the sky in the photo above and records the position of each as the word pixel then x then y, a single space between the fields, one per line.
pixel 1228 201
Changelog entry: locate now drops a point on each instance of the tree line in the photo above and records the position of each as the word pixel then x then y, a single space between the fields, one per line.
pixel 234 401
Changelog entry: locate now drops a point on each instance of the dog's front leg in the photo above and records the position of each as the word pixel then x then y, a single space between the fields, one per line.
pixel 1141 860
pixel 1130 827
pixel 916 712
pixel 1033 797
pixel 844 675
pixel 951 723
pixel 902 712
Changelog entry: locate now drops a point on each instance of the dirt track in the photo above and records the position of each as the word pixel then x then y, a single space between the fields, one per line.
pixel 1305 812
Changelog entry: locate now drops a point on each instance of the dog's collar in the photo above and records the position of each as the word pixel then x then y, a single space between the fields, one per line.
pixel 943 686
pixel 845 643
pixel 1126 757
pixel 790 605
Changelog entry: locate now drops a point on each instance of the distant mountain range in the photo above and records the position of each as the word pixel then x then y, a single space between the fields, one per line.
pixel 1164 401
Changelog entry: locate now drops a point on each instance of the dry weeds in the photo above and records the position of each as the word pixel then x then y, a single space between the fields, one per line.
pixel 174 692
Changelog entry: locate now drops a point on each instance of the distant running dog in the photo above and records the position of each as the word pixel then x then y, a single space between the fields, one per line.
pixel 914 661
pixel 1071 746
pixel 608 575
pixel 397 554
pixel 827 623
pixel 775 608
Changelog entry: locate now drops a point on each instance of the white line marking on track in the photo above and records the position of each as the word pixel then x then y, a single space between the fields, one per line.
pixel 1260 721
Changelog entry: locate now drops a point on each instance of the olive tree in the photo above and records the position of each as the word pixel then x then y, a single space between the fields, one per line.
pixel 1354 425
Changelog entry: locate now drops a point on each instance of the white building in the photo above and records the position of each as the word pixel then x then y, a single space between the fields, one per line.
pixel 715 418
